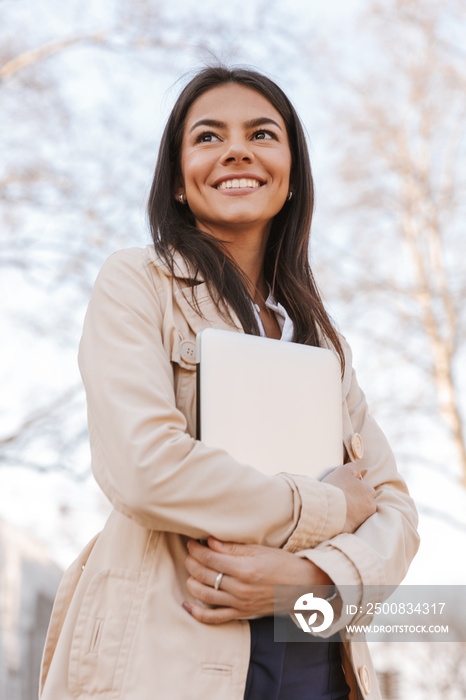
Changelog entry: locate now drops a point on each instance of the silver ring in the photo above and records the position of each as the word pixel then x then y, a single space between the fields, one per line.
pixel 218 581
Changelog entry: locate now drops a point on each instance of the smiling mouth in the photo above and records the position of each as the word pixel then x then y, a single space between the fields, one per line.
pixel 239 183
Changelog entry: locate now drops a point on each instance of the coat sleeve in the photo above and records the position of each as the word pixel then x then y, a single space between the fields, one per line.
pixel 369 563
pixel 147 464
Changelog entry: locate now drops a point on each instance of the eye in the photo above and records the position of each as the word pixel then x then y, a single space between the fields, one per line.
pixel 264 135
pixel 206 137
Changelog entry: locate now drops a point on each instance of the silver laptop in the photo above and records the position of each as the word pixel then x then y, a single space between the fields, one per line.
pixel 270 404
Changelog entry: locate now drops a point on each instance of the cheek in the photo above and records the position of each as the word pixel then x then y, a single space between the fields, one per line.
pixel 282 168
pixel 194 170
pixel 287 167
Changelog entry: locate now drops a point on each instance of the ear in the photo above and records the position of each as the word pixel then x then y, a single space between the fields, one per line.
pixel 180 196
pixel 180 192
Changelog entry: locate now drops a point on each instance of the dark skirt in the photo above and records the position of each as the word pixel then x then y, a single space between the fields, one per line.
pixel 293 670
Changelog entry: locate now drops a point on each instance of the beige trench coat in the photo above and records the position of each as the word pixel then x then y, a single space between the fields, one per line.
pixel 118 629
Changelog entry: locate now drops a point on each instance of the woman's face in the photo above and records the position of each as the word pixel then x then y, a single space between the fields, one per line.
pixel 235 160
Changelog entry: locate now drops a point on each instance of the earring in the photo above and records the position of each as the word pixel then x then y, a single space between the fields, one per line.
pixel 290 194
pixel 181 198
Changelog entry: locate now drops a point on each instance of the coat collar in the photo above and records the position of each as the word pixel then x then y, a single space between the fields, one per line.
pixel 191 297
pixel 185 294
pixel 182 269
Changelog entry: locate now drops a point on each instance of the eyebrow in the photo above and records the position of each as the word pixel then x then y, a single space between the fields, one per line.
pixel 260 121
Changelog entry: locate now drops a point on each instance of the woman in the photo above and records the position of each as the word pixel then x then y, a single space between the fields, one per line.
pixel 230 211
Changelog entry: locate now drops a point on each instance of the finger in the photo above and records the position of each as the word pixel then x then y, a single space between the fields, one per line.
pixel 218 561
pixel 207 594
pixel 233 548
pixel 238 589
pixel 355 472
pixel 228 548
pixel 213 616
pixel 200 572
pixel 208 577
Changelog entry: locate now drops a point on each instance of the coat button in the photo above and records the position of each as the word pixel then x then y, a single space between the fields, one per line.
pixel 357 447
pixel 188 352
pixel 365 679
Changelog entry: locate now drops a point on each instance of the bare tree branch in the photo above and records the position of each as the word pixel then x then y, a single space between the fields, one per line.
pixel 403 165
pixel 27 58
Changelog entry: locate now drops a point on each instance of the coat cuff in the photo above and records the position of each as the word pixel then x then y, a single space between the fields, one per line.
pixel 358 586
pixel 322 513
pixel 342 571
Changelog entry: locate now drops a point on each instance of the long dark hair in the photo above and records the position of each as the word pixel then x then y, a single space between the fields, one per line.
pixel 286 262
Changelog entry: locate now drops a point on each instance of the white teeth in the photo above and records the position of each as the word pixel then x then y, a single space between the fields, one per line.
pixel 238 183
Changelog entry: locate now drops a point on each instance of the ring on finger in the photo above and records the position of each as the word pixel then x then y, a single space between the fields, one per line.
pixel 218 581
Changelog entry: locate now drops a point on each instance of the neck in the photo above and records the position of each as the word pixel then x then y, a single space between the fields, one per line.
pixel 247 249
pixel 250 260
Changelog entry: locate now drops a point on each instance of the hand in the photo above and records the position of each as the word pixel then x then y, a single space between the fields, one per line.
pixel 250 574
pixel 360 497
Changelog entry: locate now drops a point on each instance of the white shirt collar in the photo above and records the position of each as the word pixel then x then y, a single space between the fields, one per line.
pixel 283 319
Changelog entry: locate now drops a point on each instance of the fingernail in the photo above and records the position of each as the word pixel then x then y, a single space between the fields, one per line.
pixel 188 607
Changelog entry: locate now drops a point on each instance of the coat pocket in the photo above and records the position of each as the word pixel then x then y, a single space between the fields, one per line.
pixel 64 595
pixel 103 633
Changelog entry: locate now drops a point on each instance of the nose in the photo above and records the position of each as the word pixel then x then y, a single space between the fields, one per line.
pixel 237 150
